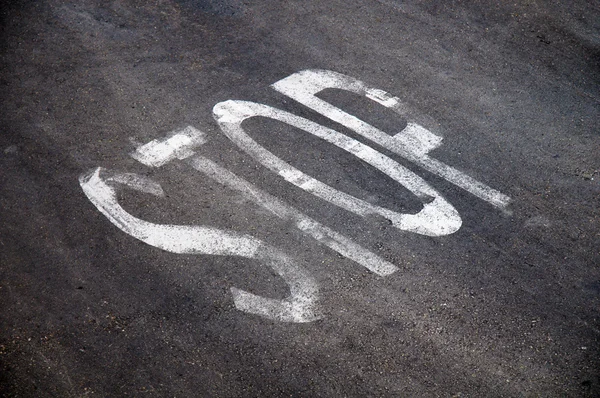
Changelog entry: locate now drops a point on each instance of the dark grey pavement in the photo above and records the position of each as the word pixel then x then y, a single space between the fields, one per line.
pixel 508 305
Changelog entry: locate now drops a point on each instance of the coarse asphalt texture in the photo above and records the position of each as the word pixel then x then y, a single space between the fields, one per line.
pixel 508 305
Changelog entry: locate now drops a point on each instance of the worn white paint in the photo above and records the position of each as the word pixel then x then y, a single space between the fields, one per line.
pixel 312 228
pixel 300 306
pixel 177 145
pixel 413 143
pixel 437 217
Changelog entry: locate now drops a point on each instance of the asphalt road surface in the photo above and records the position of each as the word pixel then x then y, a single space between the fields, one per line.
pixel 300 198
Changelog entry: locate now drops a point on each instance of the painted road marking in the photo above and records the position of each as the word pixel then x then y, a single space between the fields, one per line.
pixel 437 218
pixel 178 144
pixel 300 306
pixel 413 143
pixel 148 153
pixel 310 227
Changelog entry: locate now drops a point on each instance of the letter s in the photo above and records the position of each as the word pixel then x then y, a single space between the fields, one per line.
pixel 300 306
